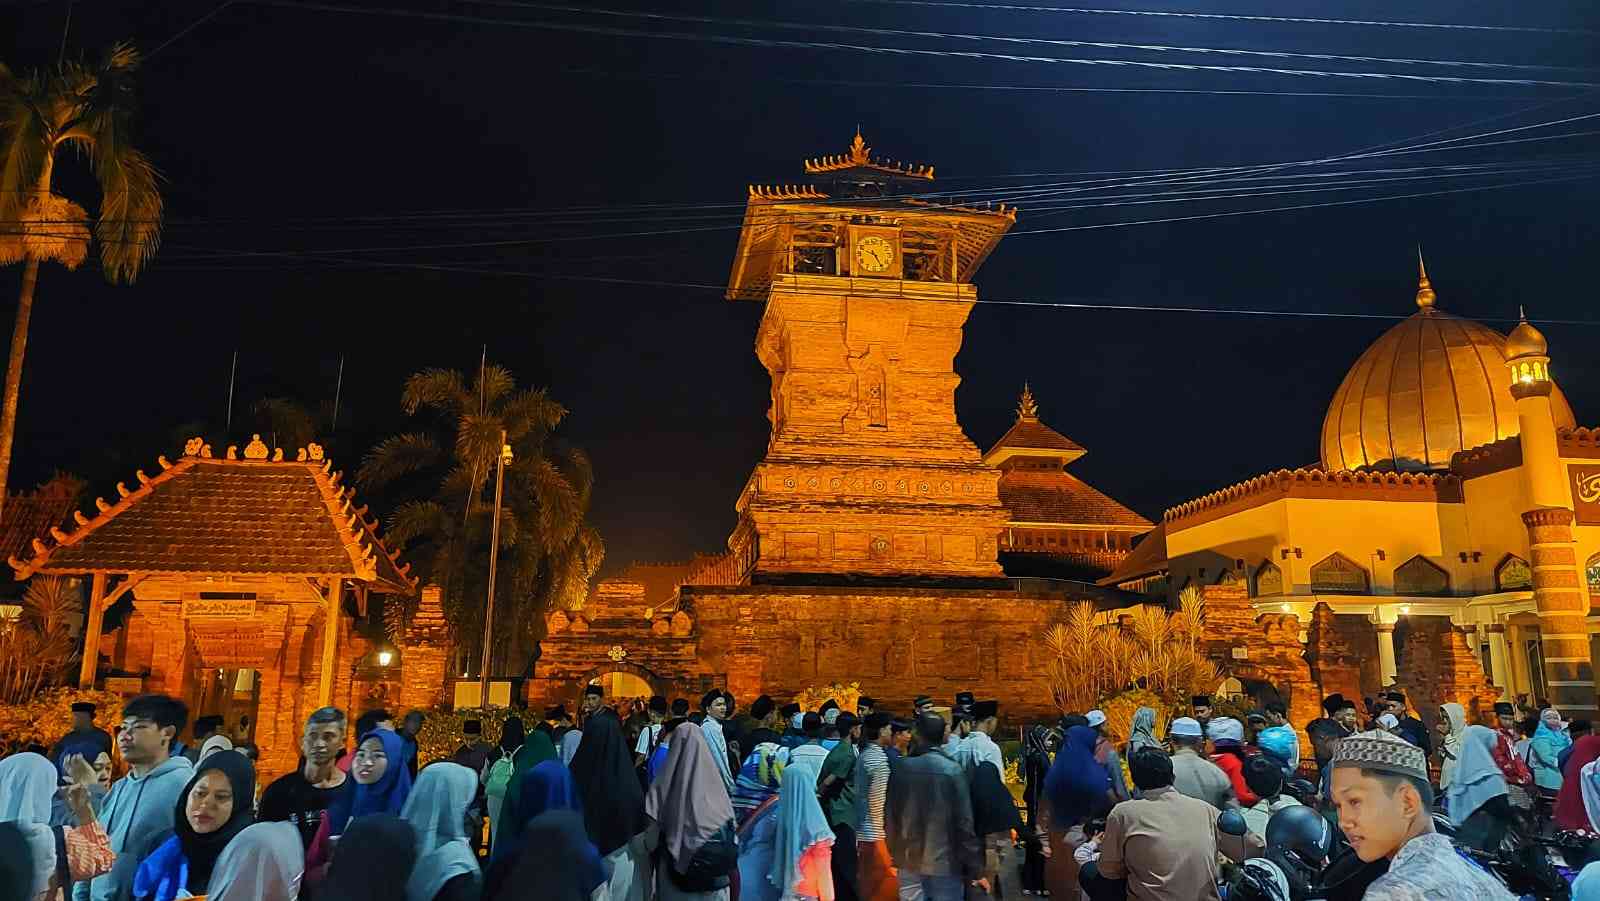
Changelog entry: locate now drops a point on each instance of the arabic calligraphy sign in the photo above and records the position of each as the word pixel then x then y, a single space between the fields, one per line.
pixel 1585 481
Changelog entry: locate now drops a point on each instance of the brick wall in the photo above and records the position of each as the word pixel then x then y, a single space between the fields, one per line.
pixel 1271 652
pixel 1436 665
pixel 1342 650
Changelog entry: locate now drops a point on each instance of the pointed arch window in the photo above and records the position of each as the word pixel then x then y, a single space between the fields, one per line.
pixel 1338 574
pixel 1514 574
pixel 1591 574
pixel 1269 579
pixel 1421 576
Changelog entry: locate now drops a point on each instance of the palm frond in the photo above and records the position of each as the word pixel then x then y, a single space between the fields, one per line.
pixel 441 389
pixel 25 143
pixel 478 440
pixel 398 456
pixel 579 473
pixel 415 520
pixel 560 515
pixel 493 383
pixel 531 413
pixel 129 227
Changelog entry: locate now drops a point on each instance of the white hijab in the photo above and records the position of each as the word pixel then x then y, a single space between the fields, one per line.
pixel 215 743
pixel 1450 755
pixel 27 783
pixel 264 862
pixel 436 809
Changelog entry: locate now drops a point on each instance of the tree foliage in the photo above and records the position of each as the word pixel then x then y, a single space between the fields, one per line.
pixel 36 647
pixel 442 477
pixel 1159 651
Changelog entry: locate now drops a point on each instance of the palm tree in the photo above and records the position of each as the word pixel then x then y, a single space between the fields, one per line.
pixel 90 109
pixel 548 552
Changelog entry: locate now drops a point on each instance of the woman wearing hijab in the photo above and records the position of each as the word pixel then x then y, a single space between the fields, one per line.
pixel 498 782
pixel 613 806
pixel 215 743
pixel 548 786
pixel 1549 740
pixel 1570 813
pixel 379 783
pixel 263 863
pixel 537 747
pixel 759 779
pixel 690 806
pixel 1076 789
pixel 1035 766
pixel 1476 799
pixel 212 810
pixel 27 783
pixel 1453 722
pixel 802 848
pixel 558 857
pixel 1142 734
pixel 446 868
pixel 375 858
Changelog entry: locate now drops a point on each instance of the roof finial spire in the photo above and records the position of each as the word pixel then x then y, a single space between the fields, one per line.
pixel 1027 408
pixel 858 147
pixel 1425 295
pixel 1522 312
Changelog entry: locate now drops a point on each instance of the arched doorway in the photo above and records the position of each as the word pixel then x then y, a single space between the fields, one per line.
pixel 621 686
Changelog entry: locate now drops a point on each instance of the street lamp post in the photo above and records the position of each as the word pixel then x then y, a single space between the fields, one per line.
pixel 494 557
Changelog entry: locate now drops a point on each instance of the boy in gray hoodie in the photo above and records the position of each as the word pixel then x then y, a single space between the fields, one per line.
pixel 139 808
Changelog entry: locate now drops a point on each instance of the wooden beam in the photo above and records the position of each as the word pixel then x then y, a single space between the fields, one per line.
pixel 330 641
pixel 122 588
pixel 91 631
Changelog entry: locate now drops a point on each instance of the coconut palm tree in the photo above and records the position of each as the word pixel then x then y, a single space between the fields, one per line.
pixel 88 108
pixel 548 552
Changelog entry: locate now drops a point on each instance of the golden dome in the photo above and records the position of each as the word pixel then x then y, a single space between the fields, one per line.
pixel 1525 341
pixel 1430 386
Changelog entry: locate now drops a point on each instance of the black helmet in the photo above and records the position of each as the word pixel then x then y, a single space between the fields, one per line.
pixel 1259 879
pixel 1303 831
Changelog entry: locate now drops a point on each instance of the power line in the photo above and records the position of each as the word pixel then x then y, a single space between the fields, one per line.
pixel 909 51
pixel 1233 17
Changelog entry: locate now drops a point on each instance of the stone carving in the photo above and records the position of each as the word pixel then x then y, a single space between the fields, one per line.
pixel 256 449
pixel 616 653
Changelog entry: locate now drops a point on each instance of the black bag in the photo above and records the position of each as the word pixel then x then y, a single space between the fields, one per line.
pixel 712 865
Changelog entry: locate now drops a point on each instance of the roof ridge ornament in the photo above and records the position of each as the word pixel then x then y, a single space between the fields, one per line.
pixel 1425 296
pixel 1027 407
pixel 256 449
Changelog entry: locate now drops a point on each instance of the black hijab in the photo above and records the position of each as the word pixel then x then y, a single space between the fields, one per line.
pixel 555 855
pixel 373 861
pixel 16 864
pixel 613 802
pixel 201 851
pixel 511 735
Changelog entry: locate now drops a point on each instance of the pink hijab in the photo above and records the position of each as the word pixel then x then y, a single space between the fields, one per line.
pixel 687 799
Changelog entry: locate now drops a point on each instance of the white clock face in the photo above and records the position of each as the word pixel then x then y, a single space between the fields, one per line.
pixel 874 254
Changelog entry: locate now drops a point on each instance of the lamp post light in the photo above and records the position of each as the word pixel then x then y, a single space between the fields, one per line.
pixel 494 557
pixel 385 657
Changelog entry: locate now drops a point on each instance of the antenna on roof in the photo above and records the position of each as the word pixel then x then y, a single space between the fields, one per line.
pixel 232 371
pixel 337 385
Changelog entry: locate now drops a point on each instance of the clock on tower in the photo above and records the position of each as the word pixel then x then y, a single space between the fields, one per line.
pixel 867 284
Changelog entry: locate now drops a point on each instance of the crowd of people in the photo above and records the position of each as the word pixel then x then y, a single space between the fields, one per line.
pixel 771 803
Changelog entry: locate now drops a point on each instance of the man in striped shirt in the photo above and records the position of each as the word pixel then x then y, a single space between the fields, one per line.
pixel 875 874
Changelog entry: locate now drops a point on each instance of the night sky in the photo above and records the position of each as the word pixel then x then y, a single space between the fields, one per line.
pixel 284 131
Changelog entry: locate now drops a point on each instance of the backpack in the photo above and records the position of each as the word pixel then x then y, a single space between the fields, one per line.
pixel 499 781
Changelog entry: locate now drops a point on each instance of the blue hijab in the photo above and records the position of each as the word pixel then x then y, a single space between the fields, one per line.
pixel 1076 784
pixel 547 786
pixel 387 795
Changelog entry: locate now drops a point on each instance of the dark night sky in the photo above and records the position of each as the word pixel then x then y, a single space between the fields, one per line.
pixel 289 129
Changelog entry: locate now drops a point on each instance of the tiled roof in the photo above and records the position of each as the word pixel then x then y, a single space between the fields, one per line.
pixel 1059 497
pixel 1031 434
pixel 255 516
pixel 1147 558
pixel 32 515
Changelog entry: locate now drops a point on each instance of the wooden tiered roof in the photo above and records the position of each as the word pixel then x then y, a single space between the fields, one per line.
pixel 255 514
pixel 33 514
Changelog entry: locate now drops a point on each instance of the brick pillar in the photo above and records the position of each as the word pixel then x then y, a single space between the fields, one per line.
pixel 425 649
pixel 744 662
pixel 1562 605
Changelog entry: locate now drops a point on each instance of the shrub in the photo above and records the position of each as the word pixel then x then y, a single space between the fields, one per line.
pixel 48 715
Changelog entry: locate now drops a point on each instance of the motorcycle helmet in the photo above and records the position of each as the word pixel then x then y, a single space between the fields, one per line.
pixel 1259 879
pixel 1347 876
pixel 1301 831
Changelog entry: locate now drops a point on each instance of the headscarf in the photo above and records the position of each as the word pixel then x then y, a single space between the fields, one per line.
pixel 1076 784
pixel 556 856
pixel 546 787
pixel 758 780
pixel 687 799
pixel 1142 733
pixel 1450 748
pixel 16 863
pixel 512 735
pixel 374 860
pixel 1477 778
pixel 265 862
pixel 387 795
pixel 215 743
pixel 1590 780
pixel 1550 730
pixel 718 743
pixel 536 749
pixel 435 810
pixel 27 783
pixel 1569 811
pixel 802 829
pixel 613 802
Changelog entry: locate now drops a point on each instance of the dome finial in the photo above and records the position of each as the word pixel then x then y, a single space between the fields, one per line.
pixel 1425 295
pixel 1027 408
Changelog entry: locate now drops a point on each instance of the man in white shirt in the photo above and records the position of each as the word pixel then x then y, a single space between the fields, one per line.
pixel 978 747
pixel 651 733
